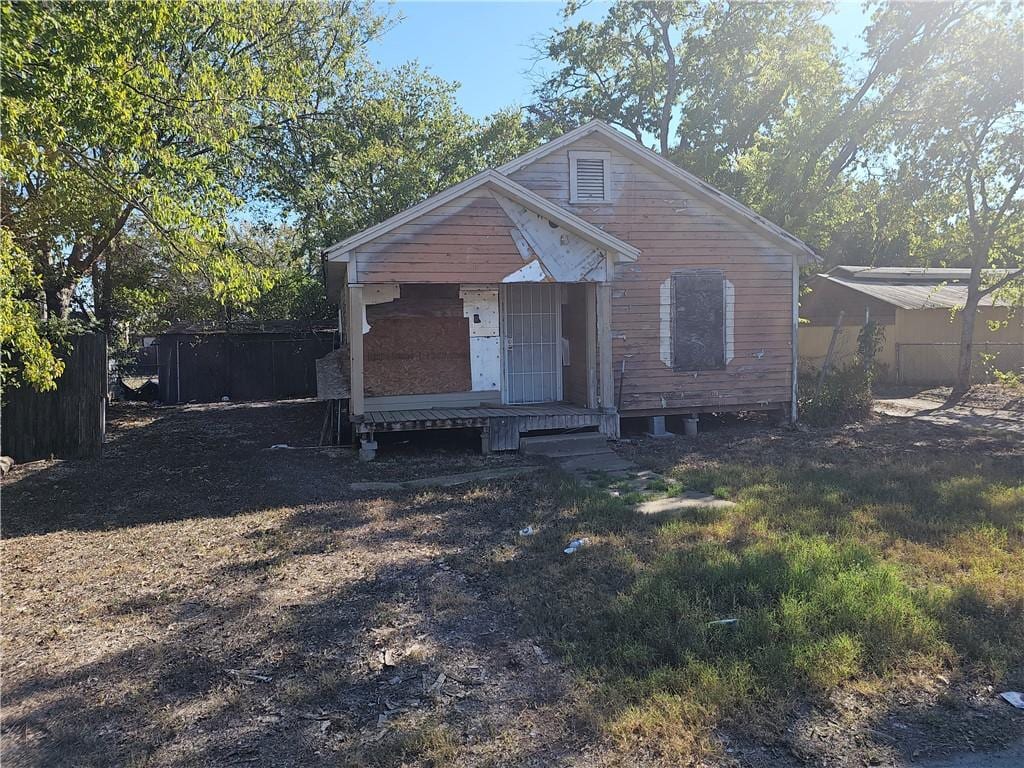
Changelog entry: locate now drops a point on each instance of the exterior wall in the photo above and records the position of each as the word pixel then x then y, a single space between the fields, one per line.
pixel 938 325
pixel 674 231
pixel 466 241
pixel 814 341
pixel 928 344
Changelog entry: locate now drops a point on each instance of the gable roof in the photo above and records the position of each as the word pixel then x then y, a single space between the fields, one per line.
pixel 684 179
pixel 912 287
pixel 520 194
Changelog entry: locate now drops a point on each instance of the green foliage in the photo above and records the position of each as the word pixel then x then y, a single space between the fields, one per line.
pixel 809 613
pixel 27 356
pixel 115 112
pixel 845 396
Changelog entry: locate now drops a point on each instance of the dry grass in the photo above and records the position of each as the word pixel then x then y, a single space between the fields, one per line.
pixel 195 599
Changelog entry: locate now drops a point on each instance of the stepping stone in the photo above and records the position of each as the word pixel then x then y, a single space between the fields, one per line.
pixel 687 501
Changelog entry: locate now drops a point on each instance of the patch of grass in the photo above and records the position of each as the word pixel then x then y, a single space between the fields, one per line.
pixel 842 568
pixel 429 743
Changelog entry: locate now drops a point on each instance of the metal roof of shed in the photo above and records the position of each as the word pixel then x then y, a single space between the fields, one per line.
pixel 912 287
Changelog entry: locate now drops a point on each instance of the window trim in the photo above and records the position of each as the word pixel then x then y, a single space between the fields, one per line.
pixel 606 159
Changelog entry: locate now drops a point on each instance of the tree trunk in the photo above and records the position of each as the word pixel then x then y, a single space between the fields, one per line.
pixel 58 299
pixel 970 314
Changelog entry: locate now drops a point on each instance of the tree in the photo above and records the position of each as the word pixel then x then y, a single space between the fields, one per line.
pixel 117 112
pixel 397 138
pixel 26 356
pixel 961 137
pixel 624 70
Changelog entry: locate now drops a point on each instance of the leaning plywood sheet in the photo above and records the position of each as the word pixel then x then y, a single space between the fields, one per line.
pixel 331 379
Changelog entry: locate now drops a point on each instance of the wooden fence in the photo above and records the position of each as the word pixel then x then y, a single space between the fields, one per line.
pixel 68 422
pixel 240 366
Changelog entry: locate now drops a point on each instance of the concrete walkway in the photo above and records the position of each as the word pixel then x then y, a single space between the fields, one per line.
pixel 932 412
pixel 1013 757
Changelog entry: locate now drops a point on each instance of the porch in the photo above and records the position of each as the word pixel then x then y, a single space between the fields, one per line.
pixel 504 359
pixel 500 425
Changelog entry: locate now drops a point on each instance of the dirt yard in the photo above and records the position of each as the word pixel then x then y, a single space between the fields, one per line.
pixel 194 598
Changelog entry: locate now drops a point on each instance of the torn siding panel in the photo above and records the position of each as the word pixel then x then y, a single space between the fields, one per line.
pixel 565 257
pixel 532 273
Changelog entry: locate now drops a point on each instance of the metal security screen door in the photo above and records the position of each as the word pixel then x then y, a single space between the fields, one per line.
pixel 531 328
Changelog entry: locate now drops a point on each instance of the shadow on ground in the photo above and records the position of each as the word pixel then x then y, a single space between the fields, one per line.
pixel 193 598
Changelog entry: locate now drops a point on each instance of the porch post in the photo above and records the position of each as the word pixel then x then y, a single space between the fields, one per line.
pixel 591 360
pixel 355 349
pixel 604 347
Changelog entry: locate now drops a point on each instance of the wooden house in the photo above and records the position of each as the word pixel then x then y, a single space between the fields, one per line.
pixel 588 280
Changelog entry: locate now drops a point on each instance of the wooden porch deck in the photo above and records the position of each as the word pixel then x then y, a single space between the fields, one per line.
pixel 500 426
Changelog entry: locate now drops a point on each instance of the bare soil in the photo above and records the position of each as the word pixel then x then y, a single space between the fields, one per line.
pixel 999 397
pixel 194 598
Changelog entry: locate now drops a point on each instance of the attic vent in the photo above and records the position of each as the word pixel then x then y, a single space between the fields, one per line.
pixel 589 177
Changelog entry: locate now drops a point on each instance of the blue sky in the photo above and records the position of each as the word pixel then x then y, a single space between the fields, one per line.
pixel 486 46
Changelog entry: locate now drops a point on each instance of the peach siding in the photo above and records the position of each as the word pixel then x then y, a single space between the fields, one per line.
pixel 466 241
pixel 675 230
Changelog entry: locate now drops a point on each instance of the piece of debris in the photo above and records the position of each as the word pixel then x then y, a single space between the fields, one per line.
pixel 279 446
pixel 540 654
pixel 723 623
pixel 438 683
pixel 574 546
pixel 1016 698
pixel 245 673
pixel 6 464
pixel 389 658
pixel 527 531
pixel 225 399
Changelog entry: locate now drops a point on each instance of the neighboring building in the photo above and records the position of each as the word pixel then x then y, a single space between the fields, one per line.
pixel 917 309
pixel 586 280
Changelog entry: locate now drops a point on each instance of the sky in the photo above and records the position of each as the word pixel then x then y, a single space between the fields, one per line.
pixel 486 46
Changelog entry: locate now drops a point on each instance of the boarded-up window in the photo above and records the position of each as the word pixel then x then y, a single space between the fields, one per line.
pixel 698 321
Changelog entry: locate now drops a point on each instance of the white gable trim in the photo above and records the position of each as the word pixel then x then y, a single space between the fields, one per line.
pixel 566 219
pixel 684 179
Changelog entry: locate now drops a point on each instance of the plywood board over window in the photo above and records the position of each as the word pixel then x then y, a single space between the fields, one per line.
pixel 698 320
